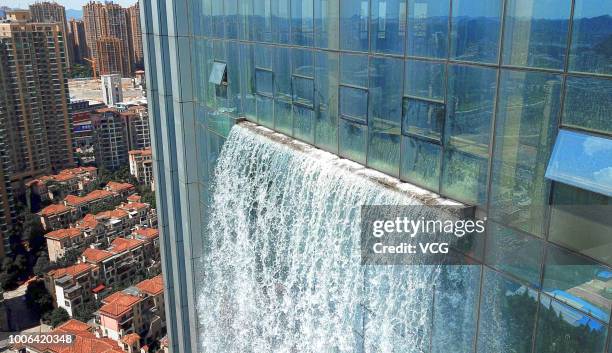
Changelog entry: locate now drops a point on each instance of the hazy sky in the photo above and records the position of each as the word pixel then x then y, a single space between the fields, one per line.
pixel 69 4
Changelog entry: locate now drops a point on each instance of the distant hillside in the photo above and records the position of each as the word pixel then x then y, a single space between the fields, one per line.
pixel 77 14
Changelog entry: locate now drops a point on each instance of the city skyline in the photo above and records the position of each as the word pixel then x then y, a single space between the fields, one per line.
pixel 69 4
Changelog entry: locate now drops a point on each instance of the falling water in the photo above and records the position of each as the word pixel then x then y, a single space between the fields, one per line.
pixel 281 270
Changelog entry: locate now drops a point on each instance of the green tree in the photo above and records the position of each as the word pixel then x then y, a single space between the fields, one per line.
pixel 85 312
pixel 42 265
pixel 58 316
pixel 38 298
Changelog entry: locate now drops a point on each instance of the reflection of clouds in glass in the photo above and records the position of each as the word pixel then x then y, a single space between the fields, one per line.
pixel 593 145
pixel 604 176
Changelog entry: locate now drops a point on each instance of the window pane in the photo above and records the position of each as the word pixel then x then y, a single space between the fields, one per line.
pixel 303 91
pixel 471 92
pixel 217 73
pixel 590 51
pixel 281 20
pixel 525 126
pixel 424 79
pixel 354 70
pixel 388 26
pixel 384 114
pixel 578 282
pixel 535 33
pixel 230 11
pixel 303 120
pixel 510 251
pixel 475 25
pixel 384 147
pixel 327 31
pixel 282 73
pixel 303 62
pixel 581 220
pixel 421 162
pixel 217 19
pixel 283 119
pixel 423 118
pixel 562 329
pixel 354 25
pixel 582 160
pixel 428 28
pixel 260 21
pixel 455 313
pixel 354 103
pixel 265 111
pixel 302 22
pixel 588 104
pixel 464 176
pixel 263 56
pixel 507 315
pixel 353 141
pixel 263 81
pixel 326 100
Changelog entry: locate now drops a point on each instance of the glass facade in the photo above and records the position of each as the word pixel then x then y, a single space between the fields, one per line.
pixel 461 97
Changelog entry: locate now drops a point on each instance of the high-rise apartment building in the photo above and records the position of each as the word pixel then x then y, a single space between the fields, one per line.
pixel 110 56
pixel 76 28
pixel 136 120
pixel 36 111
pixel 52 12
pixel 135 34
pixel 502 105
pixel 112 91
pixel 110 140
pixel 107 30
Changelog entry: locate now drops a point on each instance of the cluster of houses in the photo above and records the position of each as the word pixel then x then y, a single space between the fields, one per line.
pixel 115 264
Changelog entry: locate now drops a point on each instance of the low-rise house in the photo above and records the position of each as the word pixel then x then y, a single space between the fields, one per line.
pixel 135 312
pixel 84 341
pixel 71 286
pixel 62 240
pixel 93 200
pixel 122 189
pixel 150 239
pixel 56 216
pixel 72 181
pixel 141 166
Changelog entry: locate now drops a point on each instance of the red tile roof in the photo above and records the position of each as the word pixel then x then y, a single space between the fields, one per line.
pixel 134 206
pixel 134 198
pixel 118 303
pixel 96 255
pixel 74 326
pixel 116 213
pixel 88 222
pixel 63 233
pixel 84 341
pixel 149 233
pixel 53 210
pixel 73 270
pixel 118 187
pixel 120 245
pixel 153 286
pixel 92 196
pixel 144 152
pixel 131 339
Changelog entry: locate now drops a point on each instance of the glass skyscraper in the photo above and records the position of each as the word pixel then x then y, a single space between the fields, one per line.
pixel 501 104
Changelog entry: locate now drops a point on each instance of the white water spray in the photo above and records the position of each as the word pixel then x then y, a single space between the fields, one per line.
pixel 281 270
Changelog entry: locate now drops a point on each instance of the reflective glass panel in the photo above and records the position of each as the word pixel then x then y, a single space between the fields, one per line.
pixel 580 220
pixel 354 70
pixel 424 79
pixel 423 118
pixel 260 21
pixel 475 30
pixel 354 104
pixel 281 20
pixel 388 26
pixel 591 33
pixel 303 91
pixel 528 110
pixel 354 25
pixel 326 100
pixel 588 104
pixel 265 110
pixel 507 315
pixel 326 21
pixel 578 282
pixel 535 33
pixel 428 28
pixel 264 82
pixel 582 160
pixel 302 22
pixel 217 73
pixel 303 123
pixel 464 176
pixel 353 140
pixel 562 329
pixel 513 252
pixel 421 162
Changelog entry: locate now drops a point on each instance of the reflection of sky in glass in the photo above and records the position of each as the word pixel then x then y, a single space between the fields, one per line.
pixel 583 161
